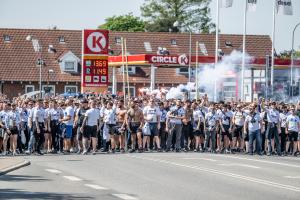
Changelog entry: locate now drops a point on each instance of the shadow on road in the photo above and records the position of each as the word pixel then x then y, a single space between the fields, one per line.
pixel 18 178
pixel 20 194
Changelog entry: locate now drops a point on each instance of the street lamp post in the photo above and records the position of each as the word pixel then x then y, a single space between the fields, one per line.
pixel 38 49
pixel 292 59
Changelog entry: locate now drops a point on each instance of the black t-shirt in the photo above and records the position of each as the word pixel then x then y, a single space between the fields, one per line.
pixel 81 114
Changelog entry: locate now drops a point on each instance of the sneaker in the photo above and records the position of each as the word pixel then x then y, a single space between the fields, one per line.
pixel 268 154
pixel 227 151
pixel 78 152
pixel 28 152
pixel 93 152
pixel 159 150
pixel 140 150
pixel 295 154
pixel 84 153
pixel 122 150
pixel 131 150
pixel 39 153
pixel 15 153
pixel 113 151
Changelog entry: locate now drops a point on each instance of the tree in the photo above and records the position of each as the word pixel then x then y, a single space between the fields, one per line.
pixel 123 23
pixel 287 55
pixel 191 15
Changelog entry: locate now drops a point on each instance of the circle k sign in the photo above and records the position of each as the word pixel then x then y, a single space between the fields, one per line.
pixel 95 42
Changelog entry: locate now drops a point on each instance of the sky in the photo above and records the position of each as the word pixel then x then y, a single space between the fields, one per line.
pixel 88 14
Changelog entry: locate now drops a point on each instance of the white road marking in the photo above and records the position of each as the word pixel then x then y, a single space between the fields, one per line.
pixel 125 196
pixel 53 171
pixel 240 165
pixel 292 177
pixel 96 187
pixel 224 173
pixel 262 161
pixel 72 178
pixel 206 159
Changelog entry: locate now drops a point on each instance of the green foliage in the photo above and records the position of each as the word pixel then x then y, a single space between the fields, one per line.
pixel 191 15
pixel 123 23
pixel 287 55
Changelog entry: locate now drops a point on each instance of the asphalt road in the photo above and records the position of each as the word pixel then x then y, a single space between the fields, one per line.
pixel 154 176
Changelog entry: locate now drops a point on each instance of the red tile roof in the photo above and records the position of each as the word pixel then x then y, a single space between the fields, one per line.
pixel 18 58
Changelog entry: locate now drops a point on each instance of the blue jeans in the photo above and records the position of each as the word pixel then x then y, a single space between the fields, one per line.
pixel 31 142
pixel 257 136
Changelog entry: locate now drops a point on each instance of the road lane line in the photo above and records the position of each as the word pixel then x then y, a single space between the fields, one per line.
pixel 96 187
pixel 292 177
pixel 224 173
pixel 262 161
pixel 53 171
pixel 125 196
pixel 240 165
pixel 206 159
pixel 72 178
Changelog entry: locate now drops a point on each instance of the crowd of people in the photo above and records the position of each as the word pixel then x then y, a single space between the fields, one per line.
pixel 108 124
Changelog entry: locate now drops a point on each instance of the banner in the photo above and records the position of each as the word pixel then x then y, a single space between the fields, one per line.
pixel 251 5
pixel 226 3
pixel 284 7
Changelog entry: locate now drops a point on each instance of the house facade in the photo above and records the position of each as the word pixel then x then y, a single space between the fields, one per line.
pixel 56 55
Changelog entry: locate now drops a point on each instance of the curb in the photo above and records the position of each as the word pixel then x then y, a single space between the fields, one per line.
pixel 15 167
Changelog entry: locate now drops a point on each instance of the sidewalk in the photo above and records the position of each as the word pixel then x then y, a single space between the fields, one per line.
pixel 8 164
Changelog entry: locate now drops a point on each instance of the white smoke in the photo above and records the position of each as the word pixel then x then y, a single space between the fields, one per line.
pixel 180 91
pixel 209 75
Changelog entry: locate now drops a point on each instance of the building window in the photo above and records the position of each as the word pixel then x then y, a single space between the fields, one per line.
pixel 29 88
pixel 71 89
pixel 147 46
pixel 183 70
pixel 70 66
pixel 48 89
pixel 131 90
pixel 6 38
pixel 109 89
pixel 173 42
pixel 118 40
pixel 61 39
pixel 131 70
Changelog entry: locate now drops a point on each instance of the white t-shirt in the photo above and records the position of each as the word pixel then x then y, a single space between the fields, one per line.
pixel 151 114
pixel 69 111
pixel 39 114
pixel 225 117
pixel 239 118
pixel 211 119
pixel 109 116
pixel 93 116
pixel 253 122
pixel 272 115
pixel 163 116
pixel 293 123
pixel 54 114
pixel 180 112
pixel 198 116
pixel 4 117
pixel 13 118
pixel 283 117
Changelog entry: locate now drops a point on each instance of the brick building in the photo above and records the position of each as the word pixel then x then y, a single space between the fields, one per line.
pixel 61 57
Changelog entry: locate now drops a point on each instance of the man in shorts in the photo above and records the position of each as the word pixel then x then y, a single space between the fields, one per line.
pixel 134 121
pixel 292 128
pixel 90 127
pixel 68 120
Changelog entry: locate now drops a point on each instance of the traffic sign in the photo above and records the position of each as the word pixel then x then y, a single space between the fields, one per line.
pixel 95 42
